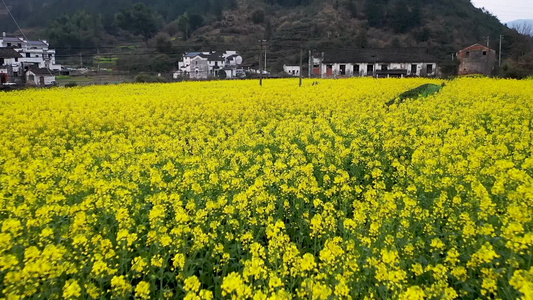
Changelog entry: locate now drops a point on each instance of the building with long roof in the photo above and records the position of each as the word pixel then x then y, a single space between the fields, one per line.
pixel 378 62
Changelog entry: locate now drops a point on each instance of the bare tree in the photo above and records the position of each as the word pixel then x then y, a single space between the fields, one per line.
pixel 524 28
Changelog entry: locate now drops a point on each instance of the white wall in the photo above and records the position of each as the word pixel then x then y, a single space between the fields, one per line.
pixel 48 79
pixel 11 62
pixel 349 69
pixel 292 70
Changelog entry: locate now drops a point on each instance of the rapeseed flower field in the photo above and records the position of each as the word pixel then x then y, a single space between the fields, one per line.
pixel 228 190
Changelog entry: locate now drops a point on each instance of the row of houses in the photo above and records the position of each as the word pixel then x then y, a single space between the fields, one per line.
pixel 335 63
pixel 27 62
pixel 392 62
pixel 33 62
pixel 395 62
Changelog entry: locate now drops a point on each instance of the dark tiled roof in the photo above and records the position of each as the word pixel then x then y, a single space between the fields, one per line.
pixel 37 44
pixel 40 71
pixel 9 39
pixel 9 53
pixel 192 54
pixel 214 56
pixel 379 55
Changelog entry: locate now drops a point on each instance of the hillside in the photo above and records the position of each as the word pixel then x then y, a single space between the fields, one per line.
pixel 239 24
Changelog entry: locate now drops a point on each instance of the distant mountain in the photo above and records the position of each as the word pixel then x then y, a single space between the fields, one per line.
pixel 524 26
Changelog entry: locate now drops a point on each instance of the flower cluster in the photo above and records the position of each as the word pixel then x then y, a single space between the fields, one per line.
pixel 229 190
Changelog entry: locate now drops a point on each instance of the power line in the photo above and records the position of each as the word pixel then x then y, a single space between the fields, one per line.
pixel 12 17
pixel 25 37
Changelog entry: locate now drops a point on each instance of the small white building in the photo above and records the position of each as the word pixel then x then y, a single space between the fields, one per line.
pixel 40 77
pixel 33 52
pixel 393 62
pixel 213 64
pixel 292 70
pixel 9 65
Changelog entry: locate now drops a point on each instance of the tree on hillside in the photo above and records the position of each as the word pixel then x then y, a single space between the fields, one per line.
pixel 375 12
pixel 217 8
pixel 163 44
pixel 352 8
pixel 258 16
pixel 79 30
pixel 138 20
pixel 404 16
pixel 184 26
pixel 196 21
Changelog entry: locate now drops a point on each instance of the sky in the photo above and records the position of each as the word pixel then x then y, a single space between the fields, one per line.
pixel 507 10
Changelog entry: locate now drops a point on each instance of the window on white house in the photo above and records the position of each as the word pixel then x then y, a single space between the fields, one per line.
pixel 2 62
pixel 370 69
pixel 356 69
pixel 384 67
pixel 430 69
pixel 28 55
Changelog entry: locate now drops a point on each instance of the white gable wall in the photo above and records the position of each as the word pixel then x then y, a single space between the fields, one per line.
pixel 292 70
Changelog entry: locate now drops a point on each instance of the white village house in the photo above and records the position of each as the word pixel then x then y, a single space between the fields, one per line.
pixel 213 64
pixel 34 63
pixel 292 70
pixel 33 52
pixel 36 76
pixel 391 62
pixel 9 65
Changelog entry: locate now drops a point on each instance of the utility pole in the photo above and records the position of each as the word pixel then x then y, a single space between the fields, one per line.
pixel 98 57
pixel 500 52
pixel 488 41
pixel 301 63
pixel 261 63
pixel 99 73
pixel 321 65
pixel 310 64
pixel 81 61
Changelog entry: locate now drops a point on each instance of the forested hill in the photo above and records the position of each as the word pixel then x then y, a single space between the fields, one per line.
pixel 372 21
pixel 38 12
pixel 318 24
